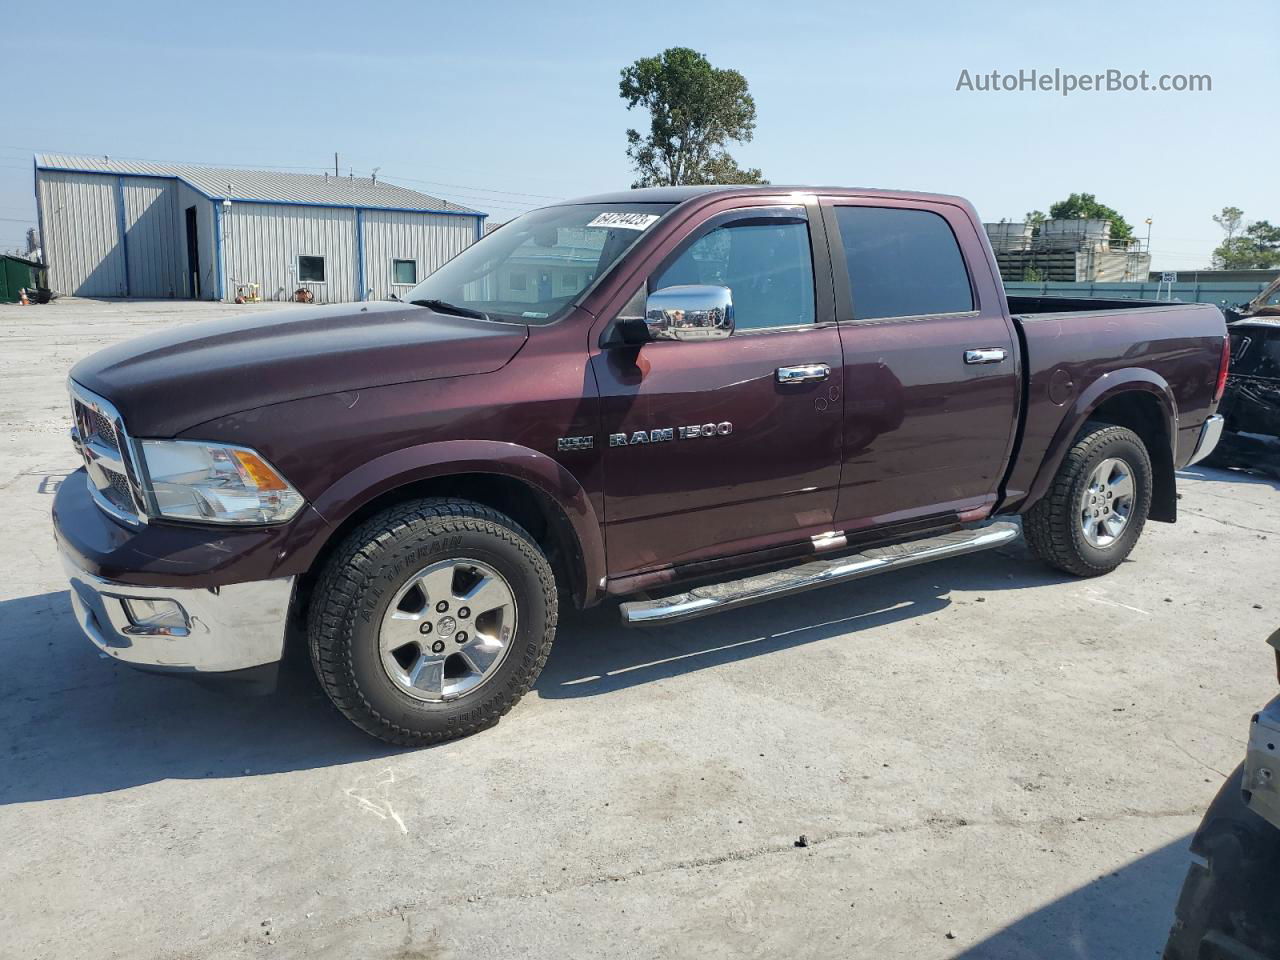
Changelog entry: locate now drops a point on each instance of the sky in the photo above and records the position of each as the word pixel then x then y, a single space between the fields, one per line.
pixel 509 106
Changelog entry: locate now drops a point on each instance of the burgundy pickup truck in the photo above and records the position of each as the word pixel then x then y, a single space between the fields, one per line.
pixel 694 398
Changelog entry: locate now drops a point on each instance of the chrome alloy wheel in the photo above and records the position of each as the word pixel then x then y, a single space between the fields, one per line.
pixel 1107 502
pixel 447 630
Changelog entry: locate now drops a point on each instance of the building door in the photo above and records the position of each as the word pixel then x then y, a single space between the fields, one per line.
pixel 193 254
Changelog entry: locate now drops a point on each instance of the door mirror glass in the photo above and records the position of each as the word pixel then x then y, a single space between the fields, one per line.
pixel 689 312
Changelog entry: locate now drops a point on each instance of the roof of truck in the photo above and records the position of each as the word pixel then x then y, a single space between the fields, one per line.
pixel 680 194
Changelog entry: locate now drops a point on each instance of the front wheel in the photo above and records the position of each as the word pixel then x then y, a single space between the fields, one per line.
pixel 432 620
pixel 1093 514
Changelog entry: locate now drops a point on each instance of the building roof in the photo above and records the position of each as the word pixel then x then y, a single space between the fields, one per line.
pixel 263 186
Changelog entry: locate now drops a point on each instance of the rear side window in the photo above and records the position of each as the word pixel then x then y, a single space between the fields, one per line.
pixel 902 263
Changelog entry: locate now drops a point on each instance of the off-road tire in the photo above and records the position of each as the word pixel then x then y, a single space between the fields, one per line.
pixel 361 578
pixel 1052 527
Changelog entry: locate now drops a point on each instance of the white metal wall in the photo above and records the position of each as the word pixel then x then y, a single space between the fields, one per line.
pixel 155 238
pixel 262 242
pixel 428 239
pixel 80 216
pixel 205 237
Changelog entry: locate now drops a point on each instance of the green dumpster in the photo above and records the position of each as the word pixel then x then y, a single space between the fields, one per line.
pixel 16 275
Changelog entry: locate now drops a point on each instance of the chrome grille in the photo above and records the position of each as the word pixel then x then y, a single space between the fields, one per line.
pixel 100 426
pixel 100 437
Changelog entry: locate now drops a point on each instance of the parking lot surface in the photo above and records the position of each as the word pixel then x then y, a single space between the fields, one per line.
pixel 985 758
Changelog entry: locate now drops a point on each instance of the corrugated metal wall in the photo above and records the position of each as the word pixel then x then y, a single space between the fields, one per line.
pixel 154 236
pixel 205 237
pixel 262 242
pixel 428 239
pixel 81 219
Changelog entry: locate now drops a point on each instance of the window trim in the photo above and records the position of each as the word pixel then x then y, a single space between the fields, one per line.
pixel 324 266
pixel 399 283
pixel 840 263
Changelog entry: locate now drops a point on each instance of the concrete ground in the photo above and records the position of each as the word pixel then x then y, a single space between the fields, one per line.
pixel 987 759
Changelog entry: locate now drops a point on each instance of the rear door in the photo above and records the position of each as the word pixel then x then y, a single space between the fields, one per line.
pixel 708 454
pixel 932 376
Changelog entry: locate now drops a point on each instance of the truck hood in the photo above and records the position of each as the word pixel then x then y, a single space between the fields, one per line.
pixel 167 382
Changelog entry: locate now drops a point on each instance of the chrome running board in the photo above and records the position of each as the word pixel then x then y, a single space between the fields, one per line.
pixel 715 597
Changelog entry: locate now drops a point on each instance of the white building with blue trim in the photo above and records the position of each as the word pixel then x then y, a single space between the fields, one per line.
pixel 123 228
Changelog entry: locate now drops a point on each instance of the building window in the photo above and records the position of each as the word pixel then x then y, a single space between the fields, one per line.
pixel 404 272
pixel 311 269
pixel 518 281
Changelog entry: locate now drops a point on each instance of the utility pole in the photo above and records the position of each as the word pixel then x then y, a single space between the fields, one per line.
pixel 335 163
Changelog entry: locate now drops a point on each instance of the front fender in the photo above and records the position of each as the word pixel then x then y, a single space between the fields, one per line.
pixel 1106 387
pixel 445 458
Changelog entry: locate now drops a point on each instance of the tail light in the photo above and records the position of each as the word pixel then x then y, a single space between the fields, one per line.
pixel 1222 369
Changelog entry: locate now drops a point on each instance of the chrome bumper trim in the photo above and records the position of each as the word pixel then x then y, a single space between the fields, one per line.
pixel 1262 764
pixel 1210 433
pixel 228 628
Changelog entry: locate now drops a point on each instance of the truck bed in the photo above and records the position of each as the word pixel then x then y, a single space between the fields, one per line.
pixel 1077 351
pixel 1047 304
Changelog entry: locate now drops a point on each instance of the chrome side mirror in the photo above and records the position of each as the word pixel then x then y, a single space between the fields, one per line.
pixel 689 312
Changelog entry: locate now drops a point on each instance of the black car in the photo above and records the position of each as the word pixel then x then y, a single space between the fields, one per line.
pixel 1251 404
pixel 1229 908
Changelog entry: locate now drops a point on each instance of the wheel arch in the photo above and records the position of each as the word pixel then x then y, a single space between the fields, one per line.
pixel 531 488
pixel 1138 399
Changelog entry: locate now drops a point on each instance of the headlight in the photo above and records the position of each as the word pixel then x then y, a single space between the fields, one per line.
pixel 216 483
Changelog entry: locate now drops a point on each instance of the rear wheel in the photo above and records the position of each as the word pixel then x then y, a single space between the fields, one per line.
pixel 432 620
pixel 1094 512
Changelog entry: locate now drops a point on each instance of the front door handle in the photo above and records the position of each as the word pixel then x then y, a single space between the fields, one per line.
pixel 803 373
pixel 985 355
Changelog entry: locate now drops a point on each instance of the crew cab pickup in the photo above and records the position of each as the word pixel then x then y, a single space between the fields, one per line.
pixel 692 398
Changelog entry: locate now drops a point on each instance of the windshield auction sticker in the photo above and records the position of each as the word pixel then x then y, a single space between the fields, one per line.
pixel 624 221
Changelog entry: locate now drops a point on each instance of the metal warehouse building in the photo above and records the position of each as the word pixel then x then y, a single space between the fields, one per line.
pixel 113 228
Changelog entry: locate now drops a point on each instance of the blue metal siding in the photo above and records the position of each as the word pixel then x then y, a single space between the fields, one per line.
pixel 1222 293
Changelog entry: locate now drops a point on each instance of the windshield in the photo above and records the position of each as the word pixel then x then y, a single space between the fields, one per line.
pixel 532 268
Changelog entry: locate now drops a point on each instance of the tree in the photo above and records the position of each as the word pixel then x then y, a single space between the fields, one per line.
pixel 1086 206
pixel 1035 218
pixel 1256 247
pixel 1229 220
pixel 695 110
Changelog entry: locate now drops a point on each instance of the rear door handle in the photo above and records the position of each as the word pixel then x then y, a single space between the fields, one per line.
pixel 803 373
pixel 985 355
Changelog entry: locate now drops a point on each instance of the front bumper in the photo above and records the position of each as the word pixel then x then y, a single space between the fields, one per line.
pixel 1210 434
pixel 218 630
pixel 1261 782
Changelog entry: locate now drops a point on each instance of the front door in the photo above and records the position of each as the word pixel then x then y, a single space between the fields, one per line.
pixel 708 453
pixel 932 377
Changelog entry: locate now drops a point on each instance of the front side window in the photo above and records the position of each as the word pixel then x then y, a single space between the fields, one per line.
pixel 404 272
pixel 537 265
pixel 311 269
pixel 765 261
pixel 902 263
